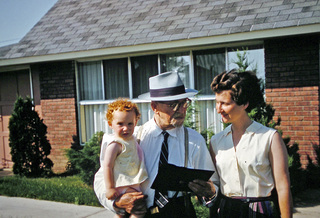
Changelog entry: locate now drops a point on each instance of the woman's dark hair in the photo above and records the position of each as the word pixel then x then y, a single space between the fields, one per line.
pixel 245 87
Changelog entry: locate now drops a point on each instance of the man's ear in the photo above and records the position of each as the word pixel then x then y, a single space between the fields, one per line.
pixel 153 106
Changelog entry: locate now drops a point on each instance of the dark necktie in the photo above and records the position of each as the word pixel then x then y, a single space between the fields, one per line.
pixel 160 198
pixel 164 149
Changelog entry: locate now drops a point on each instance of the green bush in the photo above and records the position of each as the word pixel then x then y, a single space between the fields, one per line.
pixel 313 169
pixel 86 160
pixel 297 174
pixel 264 115
pixel 60 189
pixel 28 141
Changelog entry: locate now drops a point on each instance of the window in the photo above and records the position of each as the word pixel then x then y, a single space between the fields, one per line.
pixel 207 64
pixel 143 68
pixel 90 81
pixel 254 57
pixel 116 81
pixel 178 63
pixel 100 82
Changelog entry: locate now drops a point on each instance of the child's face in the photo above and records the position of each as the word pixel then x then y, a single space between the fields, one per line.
pixel 123 123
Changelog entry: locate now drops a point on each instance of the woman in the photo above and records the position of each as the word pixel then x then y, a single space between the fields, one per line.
pixel 251 159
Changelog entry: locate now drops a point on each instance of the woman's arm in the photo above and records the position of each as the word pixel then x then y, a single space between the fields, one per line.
pixel 279 162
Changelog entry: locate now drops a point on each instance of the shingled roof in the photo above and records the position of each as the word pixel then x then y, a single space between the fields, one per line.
pixel 82 25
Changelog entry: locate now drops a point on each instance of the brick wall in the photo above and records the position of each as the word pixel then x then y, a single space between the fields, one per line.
pixel 60 117
pixel 292 86
pixel 58 106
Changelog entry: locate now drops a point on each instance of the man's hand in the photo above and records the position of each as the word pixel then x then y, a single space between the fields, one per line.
pixel 202 188
pixel 132 202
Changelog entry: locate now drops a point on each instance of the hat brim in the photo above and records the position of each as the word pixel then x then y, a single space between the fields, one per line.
pixel 189 93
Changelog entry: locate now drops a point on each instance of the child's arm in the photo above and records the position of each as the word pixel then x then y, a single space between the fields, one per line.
pixel 111 153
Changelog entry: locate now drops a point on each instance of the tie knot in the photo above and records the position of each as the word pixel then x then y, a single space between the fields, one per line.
pixel 165 134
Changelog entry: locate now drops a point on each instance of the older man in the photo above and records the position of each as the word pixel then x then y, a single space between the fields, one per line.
pixel 169 102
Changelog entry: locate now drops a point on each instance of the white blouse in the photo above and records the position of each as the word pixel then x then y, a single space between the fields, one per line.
pixel 246 170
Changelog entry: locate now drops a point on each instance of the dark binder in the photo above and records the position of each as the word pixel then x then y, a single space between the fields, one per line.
pixel 174 178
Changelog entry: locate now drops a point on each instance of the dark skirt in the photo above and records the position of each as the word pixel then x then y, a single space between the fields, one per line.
pixel 247 207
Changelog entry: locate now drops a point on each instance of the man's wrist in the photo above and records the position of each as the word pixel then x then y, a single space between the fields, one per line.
pixel 208 202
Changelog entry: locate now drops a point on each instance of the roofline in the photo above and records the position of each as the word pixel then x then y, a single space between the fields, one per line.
pixel 178 44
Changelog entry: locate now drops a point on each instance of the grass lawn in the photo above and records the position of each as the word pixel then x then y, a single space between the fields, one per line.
pixel 61 189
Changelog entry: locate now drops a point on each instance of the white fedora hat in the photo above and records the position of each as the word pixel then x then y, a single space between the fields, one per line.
pixel 167 87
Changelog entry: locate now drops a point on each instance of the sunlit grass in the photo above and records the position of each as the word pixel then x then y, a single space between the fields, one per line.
pixel 61 189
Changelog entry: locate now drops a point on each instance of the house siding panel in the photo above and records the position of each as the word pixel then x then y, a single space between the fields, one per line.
pixel 292 87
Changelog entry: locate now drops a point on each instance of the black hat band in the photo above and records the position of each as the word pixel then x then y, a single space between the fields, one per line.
pixel 167 91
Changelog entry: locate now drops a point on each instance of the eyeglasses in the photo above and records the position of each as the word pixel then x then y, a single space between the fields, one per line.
pixel 177 104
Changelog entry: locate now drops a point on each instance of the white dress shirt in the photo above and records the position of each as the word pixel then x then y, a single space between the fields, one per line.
pixel 150 141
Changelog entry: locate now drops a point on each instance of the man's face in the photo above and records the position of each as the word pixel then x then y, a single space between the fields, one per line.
pixel 170 114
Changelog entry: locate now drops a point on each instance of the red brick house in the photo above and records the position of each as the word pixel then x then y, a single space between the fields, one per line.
pixel 84 53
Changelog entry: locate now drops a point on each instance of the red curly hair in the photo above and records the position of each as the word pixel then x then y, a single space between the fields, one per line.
pixel 122 104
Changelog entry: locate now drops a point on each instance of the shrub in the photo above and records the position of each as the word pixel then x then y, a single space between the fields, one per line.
pixel 297 174
pixel 28 141
pixel 264 115
pixel 313 170
pixel 86 160
pixel 60 189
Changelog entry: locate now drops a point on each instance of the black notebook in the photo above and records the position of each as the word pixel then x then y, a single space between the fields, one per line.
pixel 174 178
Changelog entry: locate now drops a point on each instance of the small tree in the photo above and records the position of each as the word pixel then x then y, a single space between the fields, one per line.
pixel 86 160
pixel 265 112
pixel 242 61
pixel 313 169
pixel 28 141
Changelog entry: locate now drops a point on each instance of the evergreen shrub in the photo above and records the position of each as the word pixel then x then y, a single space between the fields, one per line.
pixel 86 161
pixel 28 141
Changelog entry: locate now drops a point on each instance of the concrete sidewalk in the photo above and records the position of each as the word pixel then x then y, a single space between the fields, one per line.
pixel 13 207
pixel 307 212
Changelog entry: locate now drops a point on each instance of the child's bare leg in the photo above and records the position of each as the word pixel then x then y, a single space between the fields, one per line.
pixel 119 216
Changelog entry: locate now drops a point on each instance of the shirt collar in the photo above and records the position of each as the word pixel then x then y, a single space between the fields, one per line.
pixel 227 130
pixel 254 126
pixel 157 131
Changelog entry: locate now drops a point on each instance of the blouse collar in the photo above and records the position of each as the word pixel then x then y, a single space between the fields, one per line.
pixel 254 126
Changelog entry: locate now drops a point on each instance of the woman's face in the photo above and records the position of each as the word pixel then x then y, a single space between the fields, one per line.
pixel 229 110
